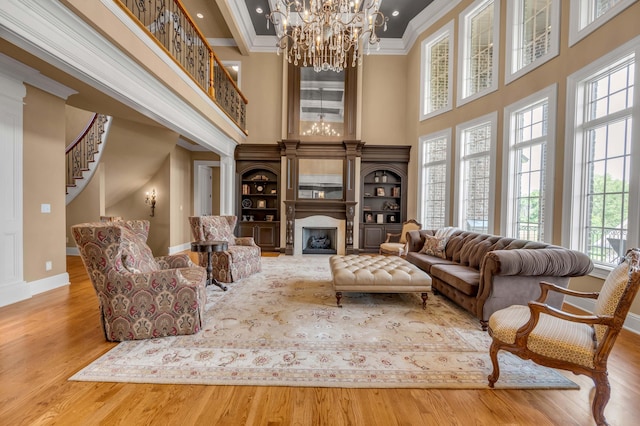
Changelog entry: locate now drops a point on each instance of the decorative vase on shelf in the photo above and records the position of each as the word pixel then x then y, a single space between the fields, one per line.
pixel 384 176
pixel 376 178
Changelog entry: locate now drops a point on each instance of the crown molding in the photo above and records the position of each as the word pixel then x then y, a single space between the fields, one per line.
pixel 33 77
pixel 425 19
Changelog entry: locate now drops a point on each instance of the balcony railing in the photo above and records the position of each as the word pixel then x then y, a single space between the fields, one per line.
pixel 170 24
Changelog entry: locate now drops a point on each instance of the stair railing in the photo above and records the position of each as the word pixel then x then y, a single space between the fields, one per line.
pixel 81 152
pixel 168 22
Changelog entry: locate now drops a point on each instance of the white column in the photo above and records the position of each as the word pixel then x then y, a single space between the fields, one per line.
pixel 227 186
pixel 12 285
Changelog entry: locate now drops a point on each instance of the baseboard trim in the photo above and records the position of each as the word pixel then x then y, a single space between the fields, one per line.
pixel 632 323
pixel 73 251
pixel 49 283
pixel 179 248
pixel 13 293
pixel 22 290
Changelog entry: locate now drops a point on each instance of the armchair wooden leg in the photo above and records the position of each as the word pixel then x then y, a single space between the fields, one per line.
pixel 495 374
pixel 601 398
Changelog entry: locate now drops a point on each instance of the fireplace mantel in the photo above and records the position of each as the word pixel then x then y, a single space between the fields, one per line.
pixel 300 209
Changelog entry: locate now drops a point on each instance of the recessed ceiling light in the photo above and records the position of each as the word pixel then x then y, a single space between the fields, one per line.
pixel 259 9
pixel 199 15
pixel 395 13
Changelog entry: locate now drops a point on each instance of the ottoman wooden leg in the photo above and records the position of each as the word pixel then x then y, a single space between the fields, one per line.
pixel 338 297
pixel 425 296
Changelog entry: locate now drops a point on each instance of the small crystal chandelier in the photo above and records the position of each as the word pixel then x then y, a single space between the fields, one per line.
pixel 323 33
pixel 320 128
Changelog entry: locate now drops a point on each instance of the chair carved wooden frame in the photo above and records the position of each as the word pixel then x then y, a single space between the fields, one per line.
pixel 397 243
pixel 522 331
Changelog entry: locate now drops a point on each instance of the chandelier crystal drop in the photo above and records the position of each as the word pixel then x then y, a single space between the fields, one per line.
pixel 326 34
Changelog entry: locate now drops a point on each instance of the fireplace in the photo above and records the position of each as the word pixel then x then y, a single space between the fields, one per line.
pixel 322 225
pixel 319 240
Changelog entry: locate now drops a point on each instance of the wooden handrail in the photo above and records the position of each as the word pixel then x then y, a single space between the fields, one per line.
pixel 206 44
pixel 82 134
pixel 235 110
pixel 82 150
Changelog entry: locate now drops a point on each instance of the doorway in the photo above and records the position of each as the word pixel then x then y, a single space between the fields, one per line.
pixel 206 188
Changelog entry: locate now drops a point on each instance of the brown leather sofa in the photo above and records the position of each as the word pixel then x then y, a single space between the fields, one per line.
pixel 485 273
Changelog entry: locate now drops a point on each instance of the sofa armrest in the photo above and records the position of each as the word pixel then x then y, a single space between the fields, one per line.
pixel 553 262
pixel 174 261
pixel 245 241
pixel 415 241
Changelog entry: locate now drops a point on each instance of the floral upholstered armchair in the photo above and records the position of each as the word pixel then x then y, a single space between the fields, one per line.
pixel 140 296
pixel 242 257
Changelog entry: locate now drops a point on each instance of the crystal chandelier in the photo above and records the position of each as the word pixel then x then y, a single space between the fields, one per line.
pixel 321 129
pixel 326 34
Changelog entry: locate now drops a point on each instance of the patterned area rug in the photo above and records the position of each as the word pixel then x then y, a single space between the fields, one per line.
pixel 282 327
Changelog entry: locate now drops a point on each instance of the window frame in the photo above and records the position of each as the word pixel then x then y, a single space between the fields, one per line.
pixel 463 46
pixel 574 165
pixel 446 30
pixel 508 171
pixel 514 11
pixel 577 14
pixel 447 134
pixel 492 119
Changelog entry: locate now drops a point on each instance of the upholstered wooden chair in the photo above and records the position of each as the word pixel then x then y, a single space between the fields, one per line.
pixel 140 296
pixel 577 343
pixel 242 257
pixel 397 243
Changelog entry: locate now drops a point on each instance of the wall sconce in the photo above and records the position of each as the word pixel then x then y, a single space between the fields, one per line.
pixel 150 198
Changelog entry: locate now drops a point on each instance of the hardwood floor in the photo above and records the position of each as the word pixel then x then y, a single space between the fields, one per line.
pixel 46 339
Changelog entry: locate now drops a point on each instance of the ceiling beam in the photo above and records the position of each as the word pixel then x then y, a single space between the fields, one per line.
pixel 230 11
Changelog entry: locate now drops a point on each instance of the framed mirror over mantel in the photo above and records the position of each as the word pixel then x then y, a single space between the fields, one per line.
pixel 321 105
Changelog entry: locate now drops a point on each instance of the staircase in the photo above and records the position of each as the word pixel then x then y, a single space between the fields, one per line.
pixel 83 155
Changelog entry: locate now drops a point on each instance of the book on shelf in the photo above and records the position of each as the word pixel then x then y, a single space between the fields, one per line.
pixel 395 191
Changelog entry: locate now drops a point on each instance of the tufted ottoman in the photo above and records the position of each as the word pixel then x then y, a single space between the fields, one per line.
pixel 377 274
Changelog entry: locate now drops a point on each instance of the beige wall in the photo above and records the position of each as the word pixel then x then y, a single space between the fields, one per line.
pixel 44 182
pixel 76 121
pixel 384 95
pixel 261 83
pixel 133 206
pixel 88 206
pixel 620 29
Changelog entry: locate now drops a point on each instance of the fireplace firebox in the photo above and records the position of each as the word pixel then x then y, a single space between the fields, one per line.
pixel 319 240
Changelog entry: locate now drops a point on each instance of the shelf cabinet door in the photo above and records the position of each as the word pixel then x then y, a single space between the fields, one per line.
pixel 266 235
pixel 371 236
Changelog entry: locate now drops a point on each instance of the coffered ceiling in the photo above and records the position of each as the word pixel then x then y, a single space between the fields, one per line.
pixel 243 22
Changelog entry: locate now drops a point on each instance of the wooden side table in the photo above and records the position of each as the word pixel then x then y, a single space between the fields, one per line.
pixel 209 247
